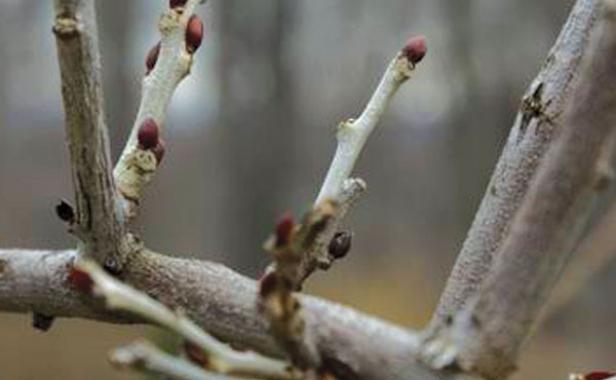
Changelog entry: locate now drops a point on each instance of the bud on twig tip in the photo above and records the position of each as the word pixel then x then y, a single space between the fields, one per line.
pixel 415 49
pixel 194 33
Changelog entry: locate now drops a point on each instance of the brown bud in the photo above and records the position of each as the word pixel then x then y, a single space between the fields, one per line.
pixel 176 3
pixel 151 58
pixel 65 211
pixel 159 151
pixel 415 49
pixel 41 322
pixel 194 33
pixel 284 228
pixel 340 244
pixel 268 283
pixel 195 354
pixel 80 280
pixel 148 134
pixel 599 375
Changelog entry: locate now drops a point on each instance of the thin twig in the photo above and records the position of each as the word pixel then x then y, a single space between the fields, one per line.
pixel 171 61
pixel 353 134
pixel 221 358
pixel 145 357
pixel 98 221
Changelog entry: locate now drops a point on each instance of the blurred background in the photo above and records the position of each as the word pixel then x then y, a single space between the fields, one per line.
pixel 250 134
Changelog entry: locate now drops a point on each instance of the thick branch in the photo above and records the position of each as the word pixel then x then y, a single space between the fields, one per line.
pixel 531 135
pixel 98 221
pixel 488 334
pixel 222 302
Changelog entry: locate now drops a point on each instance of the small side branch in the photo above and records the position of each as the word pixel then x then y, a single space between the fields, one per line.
pixel 220 357
pixel 98 222
pixel 145 357
pixel 166 65
pixel 486 337
pixel 353 134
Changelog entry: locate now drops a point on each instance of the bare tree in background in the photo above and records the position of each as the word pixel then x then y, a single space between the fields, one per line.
pixel 553 168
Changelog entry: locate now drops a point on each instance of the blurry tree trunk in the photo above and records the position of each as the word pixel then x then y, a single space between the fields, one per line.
pixel 256 117
pixel 115 32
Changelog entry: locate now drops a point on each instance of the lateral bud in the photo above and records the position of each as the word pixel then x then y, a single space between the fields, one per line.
pixel 147 135
pixel 151 58
pixel 340 244
pixel 65 211
pixel 194 33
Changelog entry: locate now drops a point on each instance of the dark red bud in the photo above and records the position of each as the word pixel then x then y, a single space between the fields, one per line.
pixel 340 244
pixel 195 354
pixel 65 211
pixel 176 3
pixel 159 151
pixel 194 33
pixel 268 283
pixel 148 134
pixel 80 280
pixel 151 58
pixel 415 49
pixel 284 228
pixel 599 375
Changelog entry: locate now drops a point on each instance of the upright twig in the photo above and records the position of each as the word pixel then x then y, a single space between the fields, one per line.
pixel 167 63
pixel 486 337
pixel 535 125
pixel 299 250
pixel 353 133
pixel 98 221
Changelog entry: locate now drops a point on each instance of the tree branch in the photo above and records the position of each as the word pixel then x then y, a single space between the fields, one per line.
pixel 98 222
pixel 222 302
pixel 167 64
pixel 486 337
pixel 353 134
pixel 221 358
pixel 145 357
pixel 531 135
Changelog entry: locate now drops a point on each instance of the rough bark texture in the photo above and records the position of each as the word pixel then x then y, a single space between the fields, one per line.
pixel 98 221
pixel 548 225
pixel 353 345
pixel 532 132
